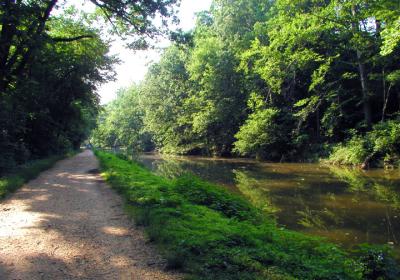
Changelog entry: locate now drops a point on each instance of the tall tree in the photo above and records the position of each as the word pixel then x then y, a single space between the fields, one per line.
pixel 50 67
pixel 164 93
pixel 23 26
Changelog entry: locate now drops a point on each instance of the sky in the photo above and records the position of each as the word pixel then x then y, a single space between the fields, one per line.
pixel 135 63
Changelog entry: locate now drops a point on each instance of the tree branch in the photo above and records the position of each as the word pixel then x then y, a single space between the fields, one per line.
pixel 71 39
pixel 34 40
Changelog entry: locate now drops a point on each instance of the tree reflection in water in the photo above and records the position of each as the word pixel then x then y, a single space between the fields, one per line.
pixel 345 205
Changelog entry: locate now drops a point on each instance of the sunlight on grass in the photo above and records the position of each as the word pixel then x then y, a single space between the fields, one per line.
pixel 210 233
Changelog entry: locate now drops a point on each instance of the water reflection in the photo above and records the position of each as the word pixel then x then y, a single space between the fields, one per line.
pixel 347 206
pixel 255 191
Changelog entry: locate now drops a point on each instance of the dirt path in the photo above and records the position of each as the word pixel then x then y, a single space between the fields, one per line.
pixel 68 224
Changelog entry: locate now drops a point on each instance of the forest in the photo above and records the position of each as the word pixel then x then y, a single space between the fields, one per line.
pixel 276 80
pixel 53 57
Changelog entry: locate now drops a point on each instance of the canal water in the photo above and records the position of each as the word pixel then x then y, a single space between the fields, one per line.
pixel 346 206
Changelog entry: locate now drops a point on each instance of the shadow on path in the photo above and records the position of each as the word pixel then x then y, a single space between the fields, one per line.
pixel 68 224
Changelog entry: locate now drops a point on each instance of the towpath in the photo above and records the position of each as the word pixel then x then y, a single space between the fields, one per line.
pixel 68 224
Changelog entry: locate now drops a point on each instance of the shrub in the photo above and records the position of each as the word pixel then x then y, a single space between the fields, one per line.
pixel 378 262
pixel 381 143
pixel 385 138
pixel 352 152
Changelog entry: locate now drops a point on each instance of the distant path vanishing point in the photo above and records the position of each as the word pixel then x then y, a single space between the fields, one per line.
pixel 68 224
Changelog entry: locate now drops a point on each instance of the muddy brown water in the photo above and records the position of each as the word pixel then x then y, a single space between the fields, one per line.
pixel 346 206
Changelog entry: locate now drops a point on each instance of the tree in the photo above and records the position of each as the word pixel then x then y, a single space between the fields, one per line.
pixel 281 79
pixel 121 124
pixel 52 107
pixel 163 96
pixel 311 54
pixel 23 26
pixel 218 102
pixel 265 135
pixel 51 65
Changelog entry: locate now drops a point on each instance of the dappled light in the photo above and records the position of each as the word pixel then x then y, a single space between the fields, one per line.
pixel 117 231
pixel 65 225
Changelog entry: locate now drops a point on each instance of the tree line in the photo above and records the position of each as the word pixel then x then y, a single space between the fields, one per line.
pixel 278 80
pixel 52 59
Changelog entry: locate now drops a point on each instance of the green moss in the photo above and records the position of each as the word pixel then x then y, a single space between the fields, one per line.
pixel 210 233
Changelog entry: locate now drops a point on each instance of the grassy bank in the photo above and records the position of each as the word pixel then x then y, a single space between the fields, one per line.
pixel 22 174
pixel 210 233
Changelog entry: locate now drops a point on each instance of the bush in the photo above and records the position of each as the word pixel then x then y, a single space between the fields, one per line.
pixel 352 152
pixel 382 143
pixel 378 262
pixel 385 139
pixel 11 154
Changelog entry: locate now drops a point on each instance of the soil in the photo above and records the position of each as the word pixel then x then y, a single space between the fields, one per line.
pixel 68 224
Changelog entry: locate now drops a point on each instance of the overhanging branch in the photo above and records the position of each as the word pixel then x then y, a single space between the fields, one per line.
pixel 71 39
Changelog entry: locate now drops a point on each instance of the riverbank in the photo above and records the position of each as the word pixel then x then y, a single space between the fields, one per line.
pixel 348 206
pixel 22 174
pixel 210 233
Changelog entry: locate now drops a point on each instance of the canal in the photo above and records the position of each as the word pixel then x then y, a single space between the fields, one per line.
pixel 346 206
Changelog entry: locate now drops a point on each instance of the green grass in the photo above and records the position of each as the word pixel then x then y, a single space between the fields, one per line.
pixel 22 174
pixel 210 233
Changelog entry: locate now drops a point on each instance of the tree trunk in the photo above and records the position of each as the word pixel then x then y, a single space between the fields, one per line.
pixel 318 125
pixel 398 98
pixel 386 95
pixel 377 28
pixel 365 92
pixel 9 66
pixel 9 28
pixel 363 76
pixel 34 42
pixel 367 161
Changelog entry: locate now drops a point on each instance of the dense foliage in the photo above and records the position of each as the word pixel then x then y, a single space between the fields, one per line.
pixel 211 233
pixel 50 66
pixel 382 142
pixel 280 80
pixel 121 124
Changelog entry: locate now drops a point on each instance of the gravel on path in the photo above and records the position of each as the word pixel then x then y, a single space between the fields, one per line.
pixel 68 224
